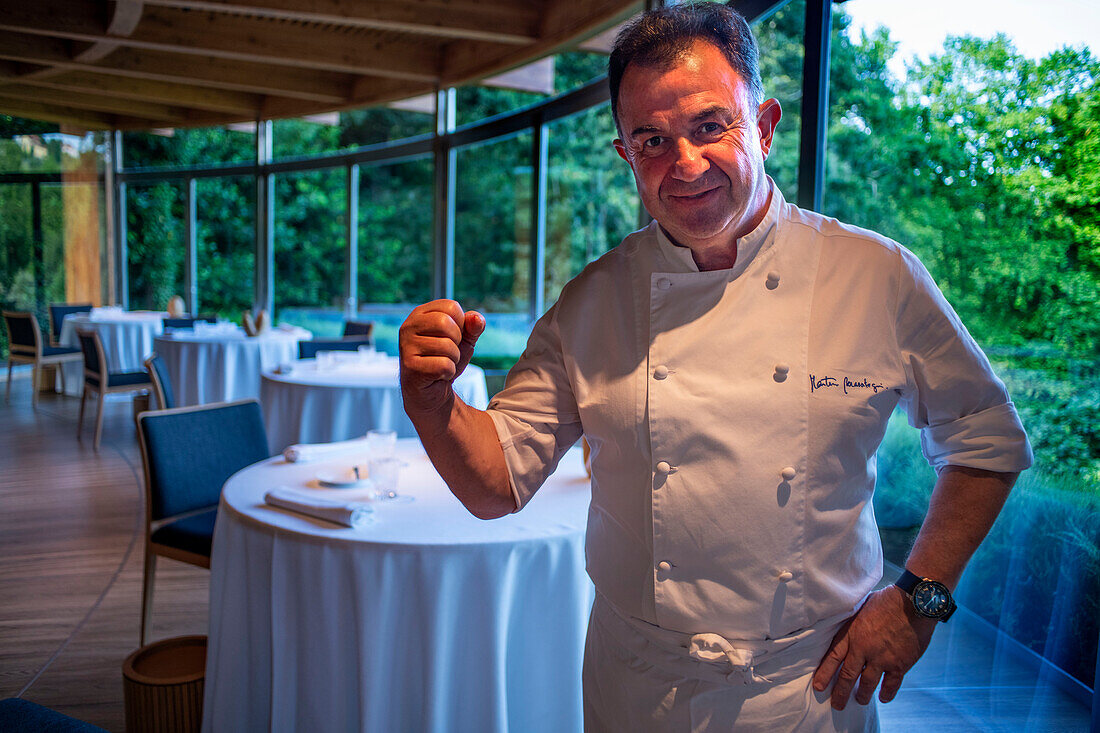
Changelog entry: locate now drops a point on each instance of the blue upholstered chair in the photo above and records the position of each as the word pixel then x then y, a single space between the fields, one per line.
pixel 359 328
pixel 170 323
pixel 17 714
pixel 162 383
pixel 25 347
pixel 58 311
pixel 309 349
pixel 100 381
pixel 188 453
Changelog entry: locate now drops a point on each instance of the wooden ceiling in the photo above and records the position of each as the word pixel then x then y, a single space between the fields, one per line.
pixel 139 64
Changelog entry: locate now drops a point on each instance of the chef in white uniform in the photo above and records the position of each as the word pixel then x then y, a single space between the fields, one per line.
pixel 733 366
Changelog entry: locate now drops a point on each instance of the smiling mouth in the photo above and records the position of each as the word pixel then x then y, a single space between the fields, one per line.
pixel 692 196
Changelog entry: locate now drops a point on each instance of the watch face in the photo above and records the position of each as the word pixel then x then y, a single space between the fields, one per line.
pixel 931 599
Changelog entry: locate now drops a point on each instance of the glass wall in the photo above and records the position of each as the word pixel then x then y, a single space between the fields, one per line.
pixel 225 257
pixel 591 202
pixel 395 244
pixel 310 249
pixel 183 147
pixel 330 133
pixel 977 158
pixel 156 248
pixel 493 238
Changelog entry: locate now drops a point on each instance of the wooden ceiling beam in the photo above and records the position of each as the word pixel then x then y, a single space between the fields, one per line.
pixel 236 38
pixel 324 87
pixel 139 89
pixel 55 113
pixel 502 21
pixel 94 102
pixel 564 21
pixel 124 19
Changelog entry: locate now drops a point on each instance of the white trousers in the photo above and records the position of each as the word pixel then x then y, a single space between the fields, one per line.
pixel 641 679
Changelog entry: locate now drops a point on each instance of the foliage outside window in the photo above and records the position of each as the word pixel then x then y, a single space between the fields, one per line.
pixel 225 250
pixel 985 164
pixel 155 246
pixel 345 130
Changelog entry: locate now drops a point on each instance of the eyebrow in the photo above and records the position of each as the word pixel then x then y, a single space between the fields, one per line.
pixel 715 110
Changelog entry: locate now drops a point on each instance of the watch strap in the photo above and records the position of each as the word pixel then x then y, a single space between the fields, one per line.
pixel 907 581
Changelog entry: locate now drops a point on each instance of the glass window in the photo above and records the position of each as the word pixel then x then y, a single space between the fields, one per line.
pixel 330 133
pixel 189 147
pixel 225 257
pixel 779 37
pixel 311 250
pixel 493 238
pixel 976 157
pixel 591 199
pixel 156 250
pixel 395 244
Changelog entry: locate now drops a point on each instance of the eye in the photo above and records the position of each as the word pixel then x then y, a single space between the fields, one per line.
pixel 710 128
pixel 653 142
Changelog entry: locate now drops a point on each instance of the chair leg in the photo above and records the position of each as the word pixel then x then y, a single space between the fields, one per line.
pixel 147 594
pixel 7 397
pixel 80 418
pixel 99 420
pixel 34 386
pixel 61 371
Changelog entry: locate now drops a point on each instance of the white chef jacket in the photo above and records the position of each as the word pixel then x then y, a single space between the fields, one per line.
pixel 734 416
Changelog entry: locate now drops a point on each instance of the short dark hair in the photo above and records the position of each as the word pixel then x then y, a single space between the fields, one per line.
pixel 660 37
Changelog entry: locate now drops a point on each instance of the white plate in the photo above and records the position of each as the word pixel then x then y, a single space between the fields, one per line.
pixel 345 479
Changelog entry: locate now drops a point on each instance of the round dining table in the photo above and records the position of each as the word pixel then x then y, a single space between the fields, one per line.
pixel 127 338
pixel 221 363
pixel 311 402
pixel 423 619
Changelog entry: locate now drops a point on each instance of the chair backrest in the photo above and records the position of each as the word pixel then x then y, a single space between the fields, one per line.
pixel 58 311
pixel 359 328
pixel 178 323
pixel 309 349
pixel 23 335
pixel 95 362
pixel 189 452
pixel 162 383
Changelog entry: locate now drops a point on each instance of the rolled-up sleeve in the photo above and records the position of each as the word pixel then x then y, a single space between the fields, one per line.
pixel 952 395
pixel 536 415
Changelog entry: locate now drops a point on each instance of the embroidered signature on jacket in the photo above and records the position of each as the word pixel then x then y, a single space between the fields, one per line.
pixel 846 383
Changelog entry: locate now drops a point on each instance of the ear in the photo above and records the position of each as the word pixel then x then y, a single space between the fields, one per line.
pixel 767 119
pixel 620 148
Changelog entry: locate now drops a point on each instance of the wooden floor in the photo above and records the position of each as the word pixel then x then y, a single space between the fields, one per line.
pixel 71 543
pixel 70 591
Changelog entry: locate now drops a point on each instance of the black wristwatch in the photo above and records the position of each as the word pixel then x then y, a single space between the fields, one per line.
pixel 930 598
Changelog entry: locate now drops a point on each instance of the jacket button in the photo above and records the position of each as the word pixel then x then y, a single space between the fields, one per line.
pixel 660 372
pixel 664 283
pixel 788 473
pixel 664 566
pixel 773 280
pixel 786 576
pixel 781 372
pixel 664 467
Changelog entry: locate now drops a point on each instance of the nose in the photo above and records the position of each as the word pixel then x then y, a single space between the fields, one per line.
pixel 690 163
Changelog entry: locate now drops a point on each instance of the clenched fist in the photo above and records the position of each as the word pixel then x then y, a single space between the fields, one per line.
pixel 436 342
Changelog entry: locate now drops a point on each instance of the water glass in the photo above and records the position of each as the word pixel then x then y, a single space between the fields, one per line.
pixel 384 474
pixel 381 443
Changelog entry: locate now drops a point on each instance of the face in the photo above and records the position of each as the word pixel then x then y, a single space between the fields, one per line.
pixel 697 147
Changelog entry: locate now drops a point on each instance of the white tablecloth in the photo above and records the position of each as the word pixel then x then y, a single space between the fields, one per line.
pixel 425 620
pixel 317 406
pixel 207 367
pixel 127 338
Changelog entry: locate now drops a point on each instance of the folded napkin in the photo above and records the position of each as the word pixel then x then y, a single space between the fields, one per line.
pixel 303 452
pixel 352 515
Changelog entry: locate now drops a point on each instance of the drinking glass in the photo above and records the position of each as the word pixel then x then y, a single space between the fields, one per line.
pixel 381 443
pixel 384 473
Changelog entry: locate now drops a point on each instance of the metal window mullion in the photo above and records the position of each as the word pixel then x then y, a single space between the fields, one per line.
pixel 351 293
pixel 815 104
pixel 265 221
pixel 121 246
pixel 540 147
pixel 191 271
pixel 445 162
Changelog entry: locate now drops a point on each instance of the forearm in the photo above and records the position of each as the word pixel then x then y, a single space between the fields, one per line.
pixel 462 443
pixel 964 505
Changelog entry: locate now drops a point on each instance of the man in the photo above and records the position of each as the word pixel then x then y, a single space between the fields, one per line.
pixel 733 367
